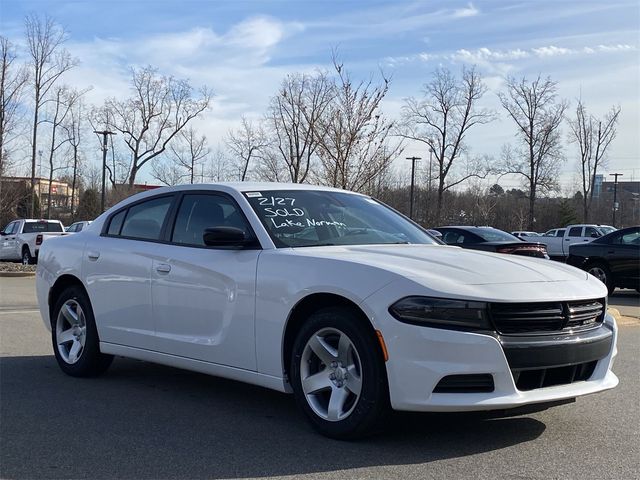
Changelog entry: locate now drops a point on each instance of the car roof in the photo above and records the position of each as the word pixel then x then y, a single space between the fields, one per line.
pixel 226 187
pixel 248 187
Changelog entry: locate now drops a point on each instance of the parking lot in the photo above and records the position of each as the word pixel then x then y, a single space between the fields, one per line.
pixel 147 421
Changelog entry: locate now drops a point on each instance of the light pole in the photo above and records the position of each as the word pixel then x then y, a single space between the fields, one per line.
pixel 105 134
pixel 413 181
pixel 615 194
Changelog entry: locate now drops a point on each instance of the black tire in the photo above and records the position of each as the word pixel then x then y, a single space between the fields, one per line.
pixel 372 406
pixel 27 259
pixel 91 361
pixel 604 269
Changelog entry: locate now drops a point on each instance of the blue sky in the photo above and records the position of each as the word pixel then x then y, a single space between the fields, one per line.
pixel 242 49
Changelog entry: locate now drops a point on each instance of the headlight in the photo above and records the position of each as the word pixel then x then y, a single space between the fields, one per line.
pixel 442 313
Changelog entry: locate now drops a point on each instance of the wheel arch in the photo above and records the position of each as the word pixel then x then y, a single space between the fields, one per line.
pixel 61 283
pixel 308 305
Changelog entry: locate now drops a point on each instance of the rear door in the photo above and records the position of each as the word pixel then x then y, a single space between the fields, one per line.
pixel 204 297
pixel 117 269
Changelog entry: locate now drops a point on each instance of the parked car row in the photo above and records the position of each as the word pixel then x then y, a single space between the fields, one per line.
pixel 21 239
pixel 558 240
pixel 610 255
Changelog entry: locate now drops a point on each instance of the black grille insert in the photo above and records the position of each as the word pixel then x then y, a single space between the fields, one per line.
pixel 518 318
pixel 548 377
pixel 475 383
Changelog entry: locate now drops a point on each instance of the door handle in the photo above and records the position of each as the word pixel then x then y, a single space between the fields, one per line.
pixel 163 268
pixel 93 256
pixel 567 239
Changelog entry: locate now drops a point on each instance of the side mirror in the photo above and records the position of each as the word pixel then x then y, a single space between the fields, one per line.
pixel 2 232
pixel 225 237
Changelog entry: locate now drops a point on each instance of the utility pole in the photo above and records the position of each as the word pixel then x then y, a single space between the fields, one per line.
pixel 615 194
pixel 105 134
pixel 413 179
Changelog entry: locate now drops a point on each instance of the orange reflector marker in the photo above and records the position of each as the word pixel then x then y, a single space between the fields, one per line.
pixel 382 345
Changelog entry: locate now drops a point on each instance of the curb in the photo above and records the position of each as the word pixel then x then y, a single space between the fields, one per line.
pixel 17 274
pixel 621 319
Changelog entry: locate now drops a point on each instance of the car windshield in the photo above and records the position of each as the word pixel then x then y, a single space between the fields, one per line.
pixel 307 218
pixel 494 235
pixel 43 226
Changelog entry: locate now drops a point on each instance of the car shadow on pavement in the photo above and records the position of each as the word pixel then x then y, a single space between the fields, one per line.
pixel 142 421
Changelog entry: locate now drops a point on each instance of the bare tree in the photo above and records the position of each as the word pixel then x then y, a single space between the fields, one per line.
pixel 73 128
pixel 149 120
pixel 293 120
pixel 441 120
pixel 246 143
pixel 47 62
pixel 593 137
pixel 185 155
pixel 219 166
pixel 354 136
pixel 538 114
pixel 63 100
pixel 13 79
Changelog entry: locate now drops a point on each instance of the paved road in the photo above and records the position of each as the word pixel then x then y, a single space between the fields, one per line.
pixel 146 421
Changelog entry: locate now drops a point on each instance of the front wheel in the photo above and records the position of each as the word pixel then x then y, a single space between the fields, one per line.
pixel 338 375
pixel 602 273
pixel 75 337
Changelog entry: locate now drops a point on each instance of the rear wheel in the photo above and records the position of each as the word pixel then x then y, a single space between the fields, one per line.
pixel 74 335
pixel 602 273
pixel 27 259
pixel 338 377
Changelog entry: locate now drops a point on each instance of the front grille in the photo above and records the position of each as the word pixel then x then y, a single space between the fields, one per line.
pixel 548 377
pixel 475 383
pixel 530 318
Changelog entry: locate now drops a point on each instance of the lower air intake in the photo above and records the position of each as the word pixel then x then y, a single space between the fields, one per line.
pixel 476 383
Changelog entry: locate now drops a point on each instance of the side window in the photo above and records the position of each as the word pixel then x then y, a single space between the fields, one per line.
pixel 8 230
pixel 631 238
pixel 79 227
pixel 550 233
pixel 200 211
pixel 72 228
pixel 116 223
pixel 144 221
pixel 560 233
pixel 591 232
pixel 453 238
pixel 575 232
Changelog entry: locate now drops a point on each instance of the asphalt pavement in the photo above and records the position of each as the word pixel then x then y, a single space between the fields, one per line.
pixel 144 421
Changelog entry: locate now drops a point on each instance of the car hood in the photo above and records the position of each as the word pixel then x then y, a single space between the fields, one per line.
pixel 452 264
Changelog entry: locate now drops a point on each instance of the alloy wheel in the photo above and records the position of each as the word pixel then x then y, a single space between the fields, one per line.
pixel 331 374
pixel 71 331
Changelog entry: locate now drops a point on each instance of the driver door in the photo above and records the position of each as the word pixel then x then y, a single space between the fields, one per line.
pixel 8 242
pixel 204 297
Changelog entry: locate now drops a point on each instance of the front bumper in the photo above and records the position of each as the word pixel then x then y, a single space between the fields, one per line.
pixel 419 357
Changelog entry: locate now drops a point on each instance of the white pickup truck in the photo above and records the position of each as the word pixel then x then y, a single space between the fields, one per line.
pixel 21 239
pixel 559 239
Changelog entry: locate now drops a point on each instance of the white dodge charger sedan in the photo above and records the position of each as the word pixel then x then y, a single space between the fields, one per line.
pixel 327 294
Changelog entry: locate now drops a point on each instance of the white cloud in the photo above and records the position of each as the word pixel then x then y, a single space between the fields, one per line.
pixel 551 51
pixel 468 11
